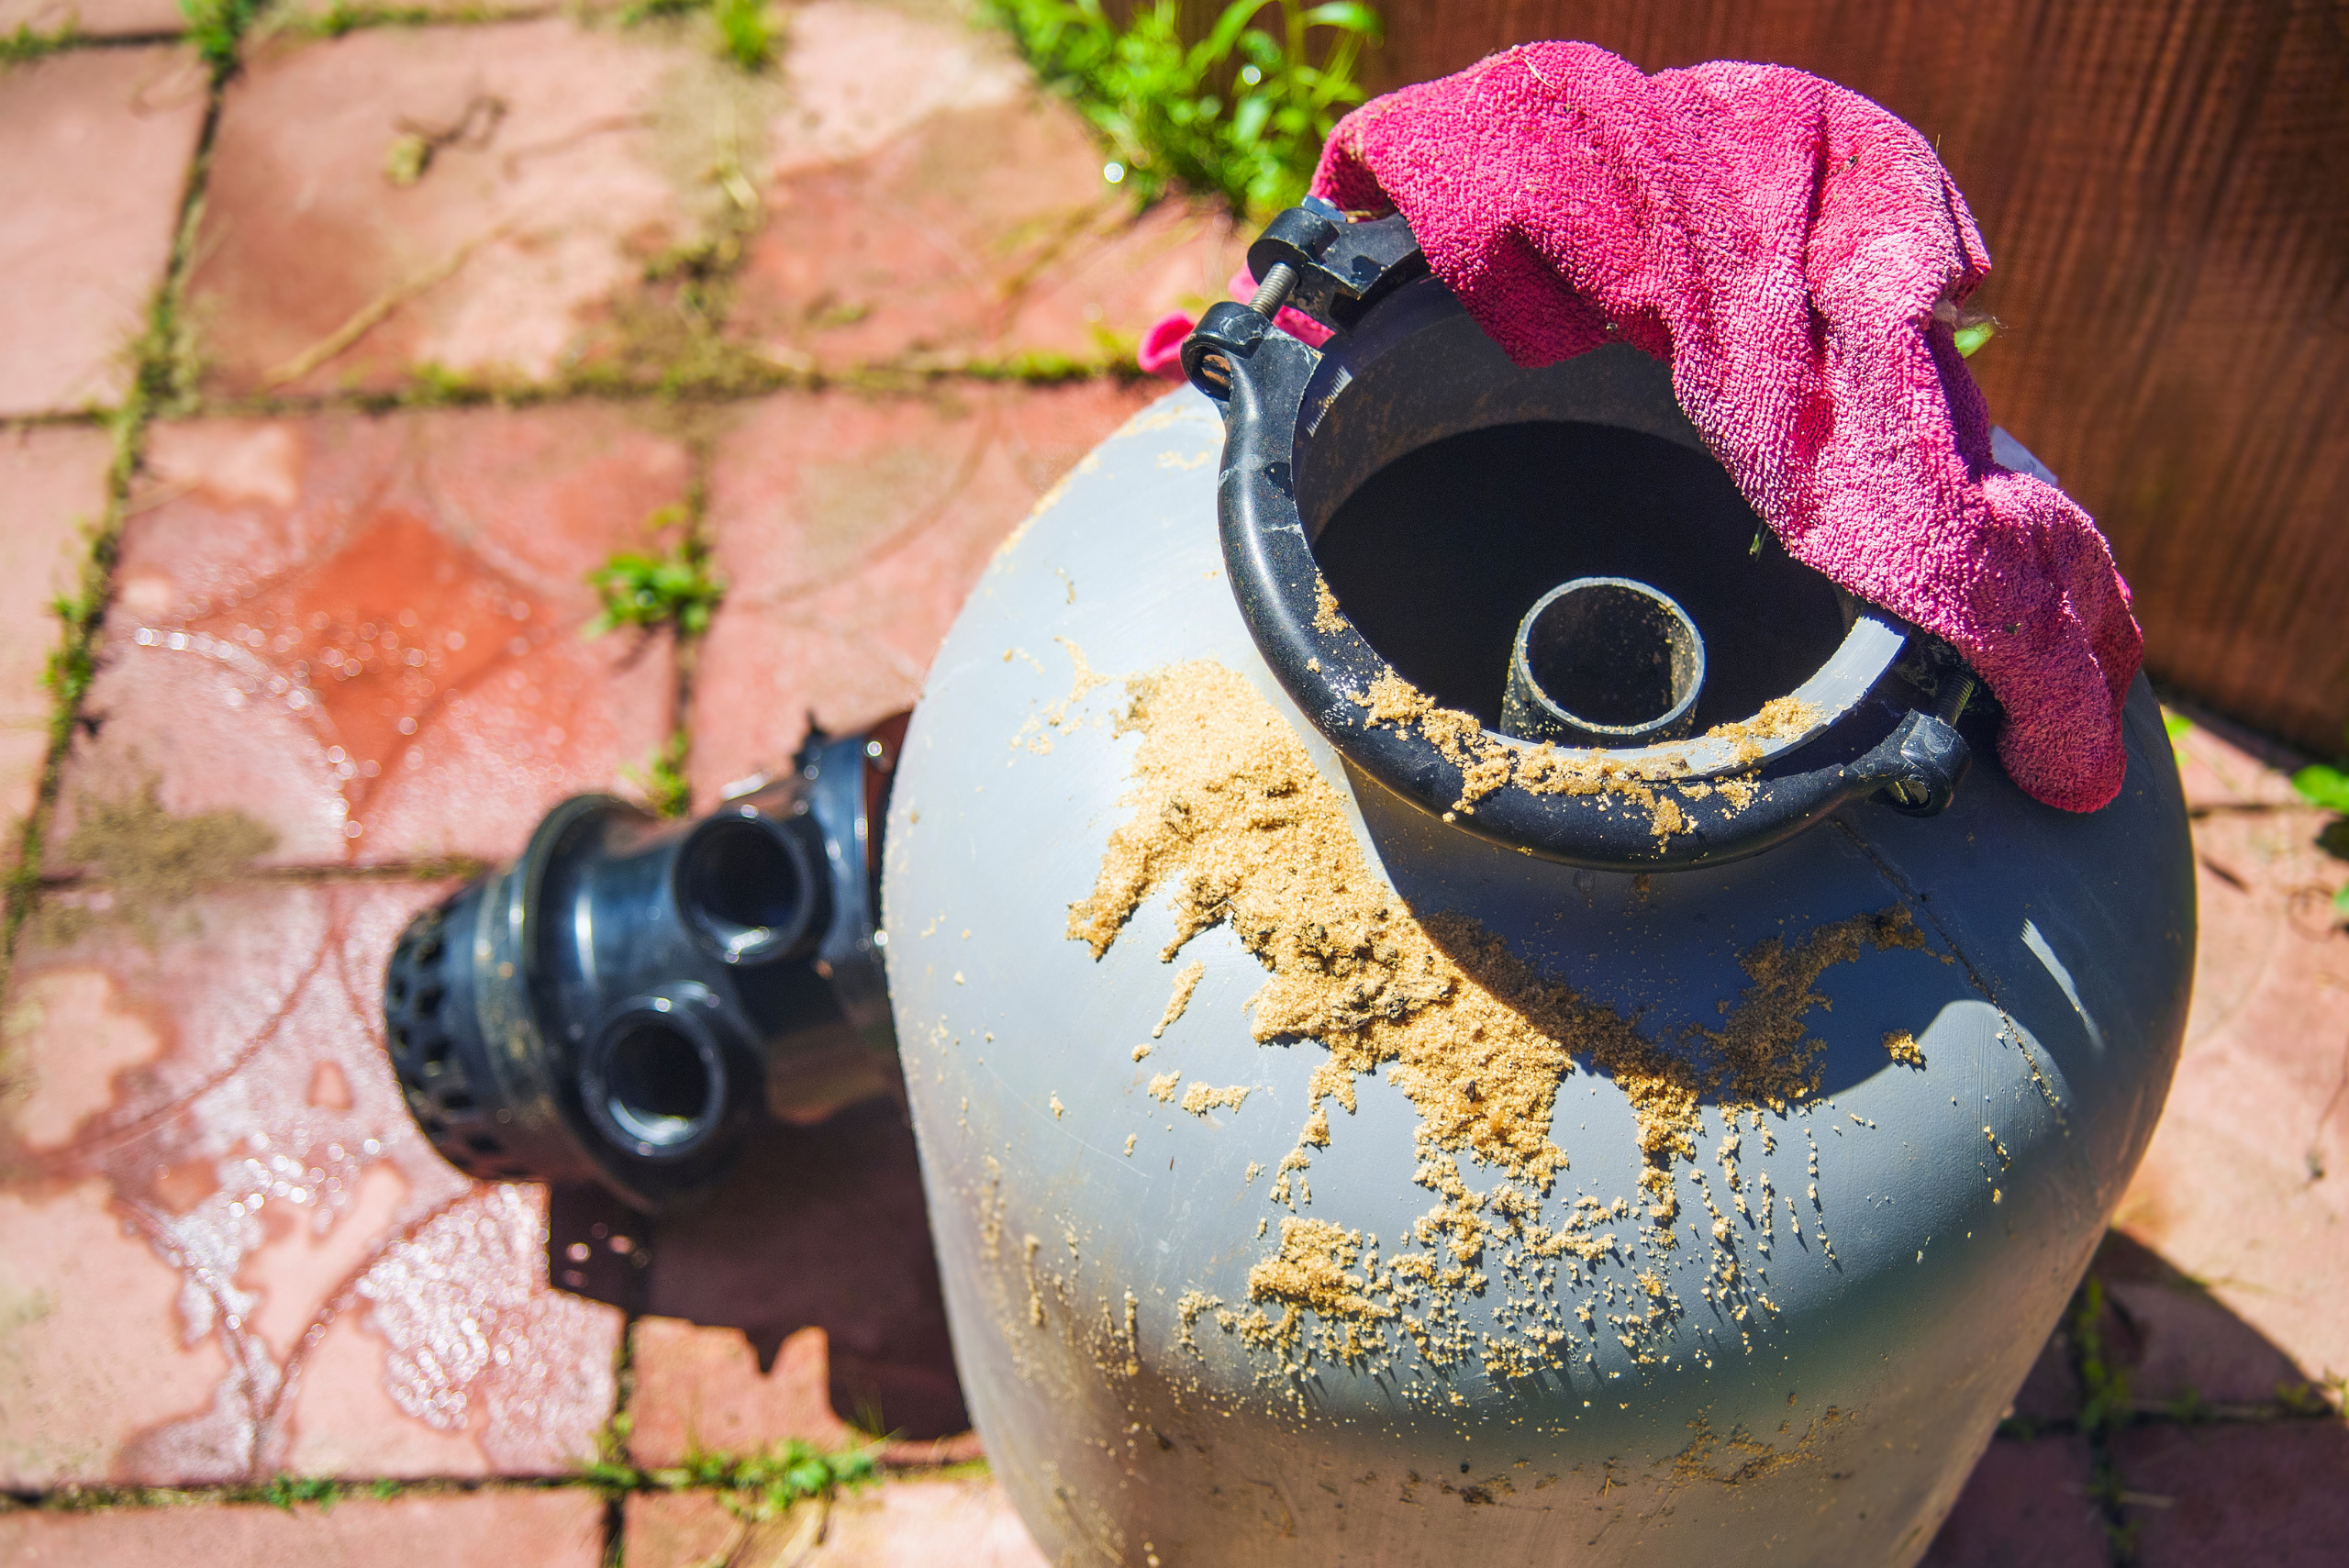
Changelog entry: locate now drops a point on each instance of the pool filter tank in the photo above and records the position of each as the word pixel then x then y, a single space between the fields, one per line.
pixel 1457 1004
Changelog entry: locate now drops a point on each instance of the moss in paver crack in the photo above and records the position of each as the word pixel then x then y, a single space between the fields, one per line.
pixel 281 1491
pixel 611 1438
pixel 711 372
pixel 1046 367
pixel 136 845
pixel 661 779
pixel 150 861
pixel 708 131
pixel 2109 1403
pixel 2104 1411
pixel 761 1483
pixel 340 18
pixel 163 374
pixel 25 43
pixel 675 591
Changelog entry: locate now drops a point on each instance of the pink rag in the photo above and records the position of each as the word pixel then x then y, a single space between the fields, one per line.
pixel 1796 255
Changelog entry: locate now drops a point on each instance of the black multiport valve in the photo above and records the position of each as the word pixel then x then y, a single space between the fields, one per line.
pixel 629 997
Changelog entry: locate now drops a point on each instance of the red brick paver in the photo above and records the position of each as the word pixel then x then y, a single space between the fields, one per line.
pixel 237 1255
pixel 94 155
pixel 929 206
pixel 961 1519
pixel 700 1388
pixel 2243 1188
pixel 902 1523
pixel 2276 1495
pixel 562 155
pixel 481 1529
pixel 2026 1507
pixel 363 633
pixel 856 76
pixel 52 488
pixel 850 531
pixel 92 18
pixel 684 1530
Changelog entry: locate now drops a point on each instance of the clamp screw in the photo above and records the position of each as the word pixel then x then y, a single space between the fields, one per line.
pixel 1955 694
pixel 1280 280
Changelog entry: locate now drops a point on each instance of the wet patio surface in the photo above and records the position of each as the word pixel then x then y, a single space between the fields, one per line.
pixel 347 423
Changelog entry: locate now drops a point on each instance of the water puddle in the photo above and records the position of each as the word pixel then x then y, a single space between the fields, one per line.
pixel 367 646
pixel 273 1168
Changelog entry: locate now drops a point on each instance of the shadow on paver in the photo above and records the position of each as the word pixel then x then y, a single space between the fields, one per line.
pixel 2186 1355
pixel 2167 1431
pixel 820 1227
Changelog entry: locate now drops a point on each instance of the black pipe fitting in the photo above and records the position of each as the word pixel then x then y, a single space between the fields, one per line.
pixel 622 1002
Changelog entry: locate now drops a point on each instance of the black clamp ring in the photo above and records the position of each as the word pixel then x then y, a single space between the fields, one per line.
pixel 1258 374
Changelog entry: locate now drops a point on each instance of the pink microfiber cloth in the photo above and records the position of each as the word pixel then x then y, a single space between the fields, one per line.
pixel 1796 255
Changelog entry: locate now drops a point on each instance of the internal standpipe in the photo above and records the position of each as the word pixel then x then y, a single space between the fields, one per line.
pixel 1604 662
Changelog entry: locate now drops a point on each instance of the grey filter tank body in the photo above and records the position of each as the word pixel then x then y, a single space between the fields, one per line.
pixel 1856 1284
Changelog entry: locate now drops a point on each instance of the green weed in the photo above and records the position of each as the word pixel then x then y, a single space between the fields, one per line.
pixel 340 18
pixel 2104 1411
pixel 769 1479
pixel 744 33
pixel 216 27
pixel 2104 1385
pixel 662 781
pixel 2323 785
pixel 74 661
pixel 742 26
pixel 2327 785
pixel 1242 112
pixel 675 589
pixel 2325 1396
pixel 285 1491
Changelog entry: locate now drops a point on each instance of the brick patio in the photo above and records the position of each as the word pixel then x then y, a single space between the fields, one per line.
pixel 844 320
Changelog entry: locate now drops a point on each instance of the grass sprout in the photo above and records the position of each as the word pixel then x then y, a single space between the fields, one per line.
pixel 675 588
pixel 1241 114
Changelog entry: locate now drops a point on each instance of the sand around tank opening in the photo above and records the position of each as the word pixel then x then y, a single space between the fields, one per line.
pixel 1235 825
pixel 1487 763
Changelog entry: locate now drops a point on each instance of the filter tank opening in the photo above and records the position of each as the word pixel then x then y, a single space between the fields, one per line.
pixel 1437 556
